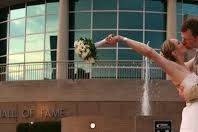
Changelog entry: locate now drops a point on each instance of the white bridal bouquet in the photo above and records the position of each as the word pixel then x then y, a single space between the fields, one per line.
pixel 86 50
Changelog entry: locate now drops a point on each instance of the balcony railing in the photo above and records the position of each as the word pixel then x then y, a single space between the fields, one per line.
pixel 79 70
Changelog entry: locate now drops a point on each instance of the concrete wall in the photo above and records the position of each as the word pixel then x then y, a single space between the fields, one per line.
pixel 85 90
pixel 53 100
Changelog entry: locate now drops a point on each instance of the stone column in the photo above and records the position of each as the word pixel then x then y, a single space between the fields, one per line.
pixel 63 40
pixel 171 27
pixel 171 19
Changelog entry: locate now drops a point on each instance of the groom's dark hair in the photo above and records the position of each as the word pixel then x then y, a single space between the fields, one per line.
pixel 166 50
pixel 192 25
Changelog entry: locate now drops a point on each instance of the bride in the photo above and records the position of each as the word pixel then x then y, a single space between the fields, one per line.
pixel 172 62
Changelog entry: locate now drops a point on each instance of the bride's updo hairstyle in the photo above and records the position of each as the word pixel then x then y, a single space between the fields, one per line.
pixel 166 50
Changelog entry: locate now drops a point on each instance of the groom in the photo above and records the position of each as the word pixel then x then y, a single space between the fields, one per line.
pixel 189 34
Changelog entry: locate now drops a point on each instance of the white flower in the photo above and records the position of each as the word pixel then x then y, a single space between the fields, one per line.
pixel 85 49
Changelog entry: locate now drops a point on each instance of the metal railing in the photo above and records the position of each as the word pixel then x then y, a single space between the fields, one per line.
pixel 79 70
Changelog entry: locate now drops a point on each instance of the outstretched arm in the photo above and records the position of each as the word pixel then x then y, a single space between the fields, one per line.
pixel 100 43
pixel 175 71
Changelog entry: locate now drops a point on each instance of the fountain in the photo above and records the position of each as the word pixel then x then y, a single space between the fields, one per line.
pixel 145 101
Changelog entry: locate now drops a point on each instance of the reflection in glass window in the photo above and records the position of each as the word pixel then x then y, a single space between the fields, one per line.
pixel 130 20
pixel 33 10
pixel 100 35
pixel 106 54
pixel 128 54
pixel 131 5
pixel 136 35
pixel 51 23
pixel 34 57
pixel 4 12
pixel 52 8
pixel 3 30
pixel 104 4
pixel 34 42
pixel 155 5
pixel 73 36
pixel 17 27
pixel 151 22
pixel 80 20
pixel 3 47
pixel 17 11
pixel 34 71
pixel 77 5
pixel 35 25
pixel 16 72
pixel 155 38
pixel 104 20
pixel 16 45
pixel 17 58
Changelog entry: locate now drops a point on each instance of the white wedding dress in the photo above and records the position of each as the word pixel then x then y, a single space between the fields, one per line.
pixel 190 112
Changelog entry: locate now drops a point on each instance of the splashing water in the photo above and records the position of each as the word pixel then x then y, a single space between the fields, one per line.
pixel 146 108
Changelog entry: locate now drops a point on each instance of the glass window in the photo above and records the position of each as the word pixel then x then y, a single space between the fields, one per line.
pixel 35 8
pixel 35 24
pixel 104 20
pixel 3 61
pixel 179 6
pixel 34 71
pixel 71 54
pixel 130 72
pixel 156 38
pixel 130 20
pixel 131 4
pixel 3 47
pixel 17 11
pixel 50 56
pixel 15 72
pixel 3 29
pixel 179 22
pixel 35 42
pixel 104 4
pixel 51 23
pixel 73 36
pixel 128 54
pixel 17 58
pixel 52 7
pixel 80 20
pixel 50 41
pixel 106 54
pixel 77 5
pixel 4 12
pixel 100 35
pixel 155 5
pixel 179 36
pixel 34 57
pixel 136 35
pixel 190 8
pixel 17 27
pixel 16 45
pixel 151 22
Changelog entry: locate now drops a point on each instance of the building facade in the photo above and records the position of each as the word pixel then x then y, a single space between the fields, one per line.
pixel 29 33
pixel 37 47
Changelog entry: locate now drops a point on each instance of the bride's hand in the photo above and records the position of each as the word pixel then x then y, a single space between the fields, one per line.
pixel 112 39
